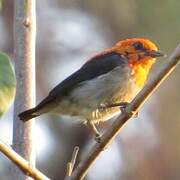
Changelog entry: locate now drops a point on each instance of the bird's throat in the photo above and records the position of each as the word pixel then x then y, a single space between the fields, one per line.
pixel 141 70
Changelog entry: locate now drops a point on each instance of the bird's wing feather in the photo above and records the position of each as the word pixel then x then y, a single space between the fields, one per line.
pixel 93 68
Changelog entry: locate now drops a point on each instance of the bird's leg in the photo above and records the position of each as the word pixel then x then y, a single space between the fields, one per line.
pixel 97 133
pixel 122 106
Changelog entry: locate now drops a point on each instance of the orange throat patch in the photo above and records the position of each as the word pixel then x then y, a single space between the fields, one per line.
pixel 140 71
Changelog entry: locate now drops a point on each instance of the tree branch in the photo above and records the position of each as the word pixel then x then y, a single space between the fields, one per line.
pixel 131 109
pixel 24 58
pixel 23 165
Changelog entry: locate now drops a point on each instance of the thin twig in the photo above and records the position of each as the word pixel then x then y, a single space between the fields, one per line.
pixel 74 156
pixel 68 170
pixel 21 163
pixel 131 109
pixel 71 164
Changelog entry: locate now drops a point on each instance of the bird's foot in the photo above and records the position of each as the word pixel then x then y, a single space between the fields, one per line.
pixel 123 106
pixel 98 138
pixel 124 109
pixel 97 133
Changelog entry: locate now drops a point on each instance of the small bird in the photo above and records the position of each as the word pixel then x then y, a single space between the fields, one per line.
pixel 113 76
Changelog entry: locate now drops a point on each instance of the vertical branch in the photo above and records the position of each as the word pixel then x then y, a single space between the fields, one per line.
pixel 24 57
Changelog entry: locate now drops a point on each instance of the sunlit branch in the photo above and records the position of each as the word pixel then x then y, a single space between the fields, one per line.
pixel 23 165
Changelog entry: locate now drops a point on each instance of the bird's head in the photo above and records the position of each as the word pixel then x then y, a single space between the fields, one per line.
pixel 141 54
pixel 138 50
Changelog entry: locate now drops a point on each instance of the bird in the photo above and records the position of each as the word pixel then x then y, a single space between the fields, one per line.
pixel 113 76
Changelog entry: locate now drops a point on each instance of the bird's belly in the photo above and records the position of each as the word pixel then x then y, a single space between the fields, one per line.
pixel 123 93
pixel 86 99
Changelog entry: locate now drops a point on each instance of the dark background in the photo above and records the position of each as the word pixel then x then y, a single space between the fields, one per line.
pixel 68 33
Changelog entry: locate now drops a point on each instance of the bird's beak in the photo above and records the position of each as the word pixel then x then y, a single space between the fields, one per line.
pixel 154 53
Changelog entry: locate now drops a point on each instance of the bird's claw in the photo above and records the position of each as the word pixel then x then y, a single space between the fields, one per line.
pixel 123 108
pixel 98 138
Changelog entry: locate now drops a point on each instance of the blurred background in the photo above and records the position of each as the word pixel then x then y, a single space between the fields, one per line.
pixel 70 32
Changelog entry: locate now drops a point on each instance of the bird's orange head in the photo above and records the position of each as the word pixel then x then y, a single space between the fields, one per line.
pixel 141 54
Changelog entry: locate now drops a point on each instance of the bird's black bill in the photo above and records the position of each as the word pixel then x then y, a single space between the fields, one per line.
pixel 156 54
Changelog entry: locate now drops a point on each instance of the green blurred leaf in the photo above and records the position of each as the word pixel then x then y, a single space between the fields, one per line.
pixel 1 4
pixel 7 83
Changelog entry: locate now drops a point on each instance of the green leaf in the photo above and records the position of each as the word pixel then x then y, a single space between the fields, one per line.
pixel 1 4
pixel 7 83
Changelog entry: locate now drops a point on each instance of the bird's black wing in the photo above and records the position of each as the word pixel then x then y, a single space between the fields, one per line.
pixel 95 67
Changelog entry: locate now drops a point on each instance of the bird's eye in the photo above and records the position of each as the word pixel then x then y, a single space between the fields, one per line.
pixel 138 46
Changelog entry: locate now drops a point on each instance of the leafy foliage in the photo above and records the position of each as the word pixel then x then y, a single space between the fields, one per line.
pixel 7 83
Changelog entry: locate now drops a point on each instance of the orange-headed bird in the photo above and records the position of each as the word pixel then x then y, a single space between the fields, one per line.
pixel 116 75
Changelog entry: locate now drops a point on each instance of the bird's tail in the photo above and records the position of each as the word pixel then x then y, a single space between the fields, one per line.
pixel 29 114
